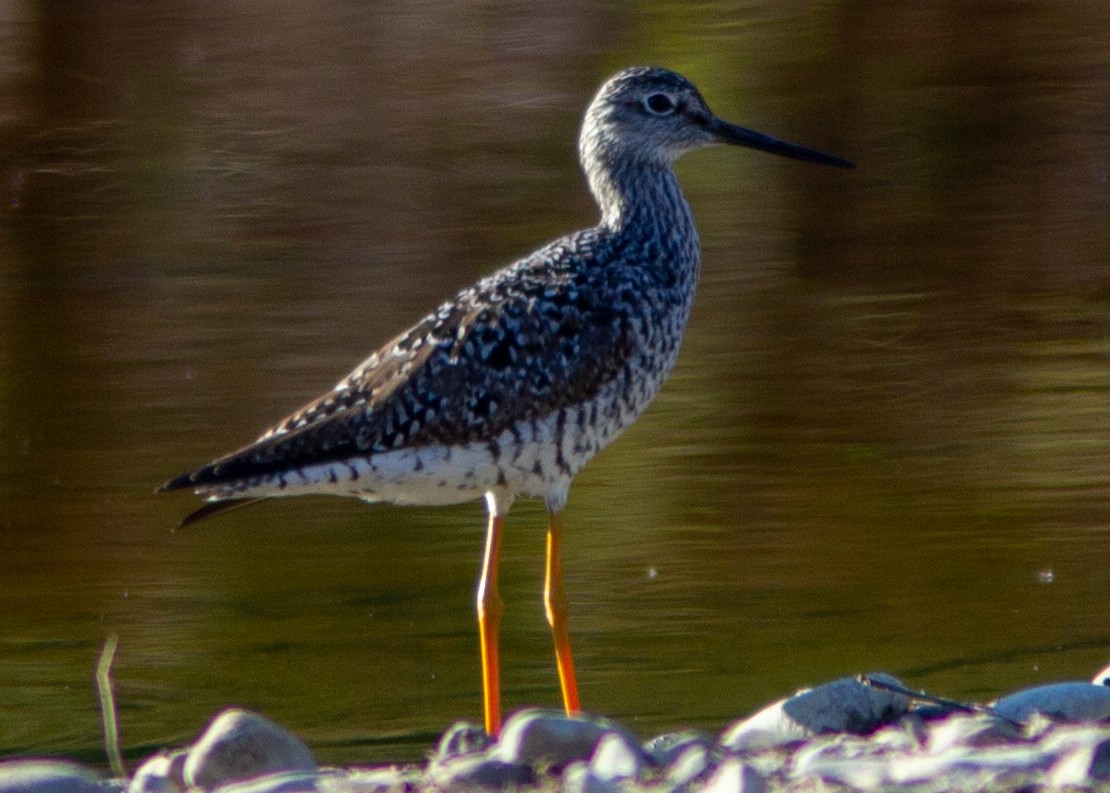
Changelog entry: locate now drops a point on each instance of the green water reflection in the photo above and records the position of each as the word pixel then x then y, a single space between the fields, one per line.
pixel 886 445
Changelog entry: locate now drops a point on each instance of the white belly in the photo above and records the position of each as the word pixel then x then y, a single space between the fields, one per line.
pixel 536 458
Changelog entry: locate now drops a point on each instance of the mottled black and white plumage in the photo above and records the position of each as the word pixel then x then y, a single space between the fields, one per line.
pixel 513 385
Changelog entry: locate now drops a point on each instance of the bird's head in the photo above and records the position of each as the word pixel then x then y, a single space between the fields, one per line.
pixel 652 115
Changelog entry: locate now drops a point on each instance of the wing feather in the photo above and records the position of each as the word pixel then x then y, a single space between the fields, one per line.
pixel 519 345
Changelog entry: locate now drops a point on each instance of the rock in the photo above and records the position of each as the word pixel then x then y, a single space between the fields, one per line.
pixel 1084 757
pixel 371 780
pixel 910 770
pixel 1100 759
pixel 163 773
pixel 49 776
pixel 833 747
pixel 1060 701
pixel 580 778
pixel 691 763
pixel 841 736
pixel 461 738
pixel 769 727
pixel 617 758
pixel 847 760
pixel 907 734
pixel 282 782
pixel 548 737
pixel 864 773
pixel 240 745
pixel 478 771
pixel 847 705
pixel 844 705
pixel 988 768
pixel 970 730
pixel 735 776
pixel 662 750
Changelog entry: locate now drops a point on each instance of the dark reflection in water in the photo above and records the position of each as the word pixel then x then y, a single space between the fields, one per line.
pixel 886 445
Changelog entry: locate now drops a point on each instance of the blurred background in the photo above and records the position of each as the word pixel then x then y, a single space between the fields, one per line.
pixel 886 445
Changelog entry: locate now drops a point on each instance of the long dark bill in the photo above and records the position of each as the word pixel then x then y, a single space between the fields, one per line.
pixel 741 136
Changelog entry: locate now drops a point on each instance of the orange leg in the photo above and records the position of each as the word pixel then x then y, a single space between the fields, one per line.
pixel 490 609
pixel 555 600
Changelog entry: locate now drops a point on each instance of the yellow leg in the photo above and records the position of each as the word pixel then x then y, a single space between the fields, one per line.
pixel 490 609
pixel 555 600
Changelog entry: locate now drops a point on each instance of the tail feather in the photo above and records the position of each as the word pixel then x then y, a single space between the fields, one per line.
pixel 213 508
pixel 178 483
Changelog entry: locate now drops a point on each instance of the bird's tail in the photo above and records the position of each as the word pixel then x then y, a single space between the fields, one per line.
pixel 213 508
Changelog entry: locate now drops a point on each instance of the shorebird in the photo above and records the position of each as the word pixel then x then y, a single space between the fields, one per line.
pixel 509 388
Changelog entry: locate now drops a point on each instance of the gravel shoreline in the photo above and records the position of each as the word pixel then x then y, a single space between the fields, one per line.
pixel 867 733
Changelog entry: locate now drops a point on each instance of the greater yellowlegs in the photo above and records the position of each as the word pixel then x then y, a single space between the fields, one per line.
pixel 513 385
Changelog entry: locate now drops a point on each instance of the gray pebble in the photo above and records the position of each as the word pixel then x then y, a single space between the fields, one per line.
pixel 844 705
pixel 1100 759
pixel 462 737
pixel 478 771
pixel 735 776
pixel 663 749
pixel 850 737
pixel 1061 701
pixel 163 773
pixel 548 737
pixel 847 705
pixel 240 745
pixel 49 776
pixel 282 782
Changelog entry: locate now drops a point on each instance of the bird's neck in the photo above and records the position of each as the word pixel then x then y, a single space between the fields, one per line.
pixel 637 196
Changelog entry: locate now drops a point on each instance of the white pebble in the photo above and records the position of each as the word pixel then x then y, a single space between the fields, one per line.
pixel 735 776
pixel 163 773
pixel 1084 756
pixel 969 729
pixel 580 778
pixel 48 776
pixel 691 763
pixel 617 758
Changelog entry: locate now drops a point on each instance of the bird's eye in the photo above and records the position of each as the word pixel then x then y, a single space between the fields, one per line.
pixel 660 104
